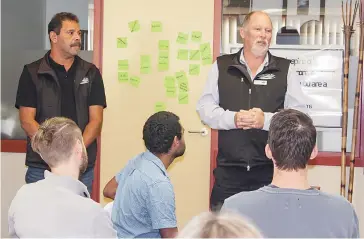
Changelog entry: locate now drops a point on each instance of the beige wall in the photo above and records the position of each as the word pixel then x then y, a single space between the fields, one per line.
pixel 12 178
pixel 328 178
pixel 129 107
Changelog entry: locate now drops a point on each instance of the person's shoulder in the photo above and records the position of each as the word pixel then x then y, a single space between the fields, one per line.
pixel 280 59
pixel 242 196
pixel 86 64
pixel 35 63
pixel 335 201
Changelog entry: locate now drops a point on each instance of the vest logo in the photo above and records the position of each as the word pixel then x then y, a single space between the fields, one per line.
pixel 266 76
pixel 84 81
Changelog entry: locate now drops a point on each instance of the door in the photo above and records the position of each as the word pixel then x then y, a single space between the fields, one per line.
pixel 147 44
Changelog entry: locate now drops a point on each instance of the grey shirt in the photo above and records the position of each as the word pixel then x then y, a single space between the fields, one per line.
pixel 281 212
pixel 57 206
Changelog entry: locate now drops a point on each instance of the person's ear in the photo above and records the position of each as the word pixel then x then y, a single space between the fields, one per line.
pixel 268 153
pixel 53 37
pixel 314 152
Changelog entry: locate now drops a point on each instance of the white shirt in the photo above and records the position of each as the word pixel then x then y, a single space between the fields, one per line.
pixel 57 206
pixel 217 118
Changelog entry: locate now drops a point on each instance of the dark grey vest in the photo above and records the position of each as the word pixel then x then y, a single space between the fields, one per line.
pixel 49 101
pixel 237 91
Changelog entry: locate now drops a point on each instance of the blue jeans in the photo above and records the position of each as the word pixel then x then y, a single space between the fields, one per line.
pixel 35 174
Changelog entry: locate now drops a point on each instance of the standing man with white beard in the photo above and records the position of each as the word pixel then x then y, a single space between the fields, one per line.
pixel 242 93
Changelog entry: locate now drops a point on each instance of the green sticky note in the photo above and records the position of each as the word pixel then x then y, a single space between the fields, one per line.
pixel 123 77
pixel 183 86
pixel 122 42
pixel 194 55
pixel 171 92
pixel 205 49
pixel 182 54
pixel 206 59
pixel 182 38
pixel 183 98
pixel 160 106
pixel 134 81
pixel 134 26
pixel 196 36
pixel 181 76
pixel 163 45
pixel 169 82
pixel 194 69
pixel 123 65
pixel 145 64
pixel 156 26
pixel 163 61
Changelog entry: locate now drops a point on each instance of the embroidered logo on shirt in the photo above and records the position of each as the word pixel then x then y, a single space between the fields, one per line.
pixel 84 81
pixel 266 76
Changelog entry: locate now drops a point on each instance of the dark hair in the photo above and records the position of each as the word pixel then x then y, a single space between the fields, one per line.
pixel 55 24
pixel 291 138
pixel 159 131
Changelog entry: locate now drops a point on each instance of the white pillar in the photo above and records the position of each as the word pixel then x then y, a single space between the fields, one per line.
pixel 233 29
pixel 225 35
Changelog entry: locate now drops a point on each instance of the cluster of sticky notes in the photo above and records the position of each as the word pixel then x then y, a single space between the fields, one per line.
pixel 183 87
pixel 163 56
pixel 123 67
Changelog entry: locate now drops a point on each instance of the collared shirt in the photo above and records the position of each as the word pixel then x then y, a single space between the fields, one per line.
pixel 217 118
pixel 66 80
pixel 144 201
pixel 57 206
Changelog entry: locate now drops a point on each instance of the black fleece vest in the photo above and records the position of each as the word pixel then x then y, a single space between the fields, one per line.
pixel 245 148
pixel 49 101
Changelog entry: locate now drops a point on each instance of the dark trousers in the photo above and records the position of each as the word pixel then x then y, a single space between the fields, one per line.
pixel 232 180
pixel 35 174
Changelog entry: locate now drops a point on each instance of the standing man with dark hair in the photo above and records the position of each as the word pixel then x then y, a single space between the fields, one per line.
pixel 144 204
pixel 289 207
pixel 61 84
pixel 242 93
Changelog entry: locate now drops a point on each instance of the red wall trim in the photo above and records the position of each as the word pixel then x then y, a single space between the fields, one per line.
pixel 97 60
pixel 216 53
pixel 14 146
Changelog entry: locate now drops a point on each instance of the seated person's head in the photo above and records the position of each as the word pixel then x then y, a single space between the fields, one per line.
pixel 291 140
pixel 163 134
pixel 224 225
pixel 59 142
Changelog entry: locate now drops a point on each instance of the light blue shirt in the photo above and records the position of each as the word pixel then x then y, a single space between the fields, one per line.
pixel 144 200
pixel 217 118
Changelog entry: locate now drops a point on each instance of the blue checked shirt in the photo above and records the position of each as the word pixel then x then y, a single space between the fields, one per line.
pixel 144 201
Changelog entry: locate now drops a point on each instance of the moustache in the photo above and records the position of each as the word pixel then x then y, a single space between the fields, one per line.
pixel 76 44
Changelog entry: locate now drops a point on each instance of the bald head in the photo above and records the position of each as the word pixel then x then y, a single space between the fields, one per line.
pixel 254 15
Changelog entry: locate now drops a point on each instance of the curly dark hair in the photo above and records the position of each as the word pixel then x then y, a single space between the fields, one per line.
pixel 159 131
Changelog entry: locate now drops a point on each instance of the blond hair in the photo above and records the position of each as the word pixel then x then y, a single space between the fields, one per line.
pixel 221 225
pixel 55 139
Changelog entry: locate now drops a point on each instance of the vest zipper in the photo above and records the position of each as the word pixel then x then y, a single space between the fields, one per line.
pixel 249 106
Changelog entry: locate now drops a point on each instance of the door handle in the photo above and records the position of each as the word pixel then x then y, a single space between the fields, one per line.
pixel 203 132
